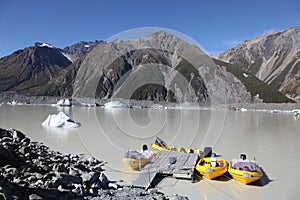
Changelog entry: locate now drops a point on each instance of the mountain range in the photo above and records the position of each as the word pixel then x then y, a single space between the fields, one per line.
pixel 159 67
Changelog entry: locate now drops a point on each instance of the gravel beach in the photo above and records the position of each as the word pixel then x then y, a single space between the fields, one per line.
pixel 30 170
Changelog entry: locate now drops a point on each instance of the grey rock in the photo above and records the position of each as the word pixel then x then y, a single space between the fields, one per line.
pixel 94 176
pixel 6 139
pixel 152 190
pixel 78 189
pixel 7 155
pixel 24 150
pixel 54 183
pixel 103 181
pixel 37 162
pixel 12 170
pixel 39 183
pixel 45 168
pixel 68 179
pixel 103 178
pixel 31 179
pixel 73 172
pixel 112 185
pixel 177 197
pixel 18 136
pixel 93 191
pixel 59 167
pixel 60 188
pixel 17 180
pixel 34 197
pixel 86 177
pixel 38 175
pixel 25 141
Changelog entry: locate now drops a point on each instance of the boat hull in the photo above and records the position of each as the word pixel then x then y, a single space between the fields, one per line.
pixel 245 177
pixel 210 172
pixel 136 164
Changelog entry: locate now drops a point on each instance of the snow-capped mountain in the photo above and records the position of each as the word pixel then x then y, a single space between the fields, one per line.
pixel 274 58
pixel 30 68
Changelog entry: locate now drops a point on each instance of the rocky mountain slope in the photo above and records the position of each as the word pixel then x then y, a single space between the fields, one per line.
pixel 79 49
pixel 159 67
pixel 30 68
pixel 260 91
pixel 274 58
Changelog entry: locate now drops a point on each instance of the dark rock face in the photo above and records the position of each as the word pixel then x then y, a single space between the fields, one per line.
pixel 29 170
pixel 26 69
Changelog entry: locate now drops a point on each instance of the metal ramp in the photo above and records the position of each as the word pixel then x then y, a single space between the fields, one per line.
pixel 168 163
pixel 144 179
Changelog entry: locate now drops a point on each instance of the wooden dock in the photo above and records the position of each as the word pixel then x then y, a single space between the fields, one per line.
pixel 167 163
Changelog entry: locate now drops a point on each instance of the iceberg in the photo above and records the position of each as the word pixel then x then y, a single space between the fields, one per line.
pixel 115 104
pixel 64 102
pixel 296 112
pixel 60 120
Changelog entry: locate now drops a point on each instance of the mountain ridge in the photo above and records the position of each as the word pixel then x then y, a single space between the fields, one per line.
pixel 157 67
pixel 274 58
pixel 30 67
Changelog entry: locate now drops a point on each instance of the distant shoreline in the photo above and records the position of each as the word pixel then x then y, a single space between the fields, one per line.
pixel 18 99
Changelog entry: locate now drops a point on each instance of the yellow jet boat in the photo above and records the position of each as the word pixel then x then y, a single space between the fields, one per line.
pixel 160 145
pixel 136 159
pixel 212 167
pixel 245 171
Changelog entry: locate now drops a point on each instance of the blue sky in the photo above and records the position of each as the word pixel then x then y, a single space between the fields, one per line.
pixel 217 25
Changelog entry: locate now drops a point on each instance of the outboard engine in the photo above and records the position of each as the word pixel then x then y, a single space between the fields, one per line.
pixel 145 147
pixel 243 156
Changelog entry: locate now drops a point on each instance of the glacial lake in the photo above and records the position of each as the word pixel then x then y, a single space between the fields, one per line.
pixel 273 139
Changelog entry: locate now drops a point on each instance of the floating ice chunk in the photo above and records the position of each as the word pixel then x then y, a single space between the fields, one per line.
pixel 60 120
pixel 115 104
pixel 243 109
pixel 296 112
pixel 64 102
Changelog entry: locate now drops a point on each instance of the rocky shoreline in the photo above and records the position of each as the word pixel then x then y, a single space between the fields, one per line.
pixel 30 170
pixel 19 99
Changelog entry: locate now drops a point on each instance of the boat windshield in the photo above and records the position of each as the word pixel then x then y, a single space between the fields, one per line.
pixel 245 166
pixel 134 155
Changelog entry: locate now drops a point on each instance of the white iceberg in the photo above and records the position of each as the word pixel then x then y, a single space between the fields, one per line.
pixel 60 120
pixel 64 102
pixel 296 112
pixel 115 104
